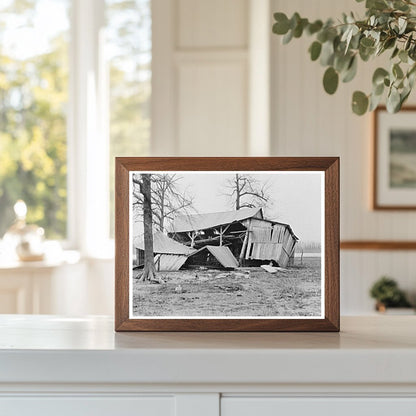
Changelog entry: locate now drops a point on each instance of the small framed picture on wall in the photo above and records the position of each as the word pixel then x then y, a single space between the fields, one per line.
pixel 394 178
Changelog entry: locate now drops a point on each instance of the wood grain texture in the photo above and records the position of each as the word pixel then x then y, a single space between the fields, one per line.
pixel 332 226
pixel 329 165
pixel 378 245
pixel 121 244
pixel 376 204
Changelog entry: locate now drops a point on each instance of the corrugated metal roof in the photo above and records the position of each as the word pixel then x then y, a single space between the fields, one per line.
pixel 222 254
pixel 184 223
pixel 163 244
pixel 169 262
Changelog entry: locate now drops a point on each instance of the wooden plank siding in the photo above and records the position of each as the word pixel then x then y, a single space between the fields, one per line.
pixel 269 242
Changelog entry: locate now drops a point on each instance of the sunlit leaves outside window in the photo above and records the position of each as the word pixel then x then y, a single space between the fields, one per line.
pixel 129 58
pixel 33 106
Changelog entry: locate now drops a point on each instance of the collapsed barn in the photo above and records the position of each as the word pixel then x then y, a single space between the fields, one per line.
pixel 222 240
pixel 251 238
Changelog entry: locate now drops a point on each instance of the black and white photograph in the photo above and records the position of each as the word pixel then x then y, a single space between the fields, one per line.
pixel 226 244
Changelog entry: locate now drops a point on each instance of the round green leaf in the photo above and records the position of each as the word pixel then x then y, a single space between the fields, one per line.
pixel 327 54
pixel 322 36
pixel 395 52
pixel 298 30
pixel 314 27
pixel 330 80
pixel 404 96
pixel 315 50
pixel 379 75
pixel 282 26
pixel 393 101
pixel 374 102
pixel 294 20
pixel 366 53
pixel 403 56
pixel 351 71
pixel 359 103
pixel 288 37
pixel 397 71
pixel 367 42
pixel 389 43
pixel 378 89
pixel 342 61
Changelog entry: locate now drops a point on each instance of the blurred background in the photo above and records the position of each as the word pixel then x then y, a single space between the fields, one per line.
pixel 83 81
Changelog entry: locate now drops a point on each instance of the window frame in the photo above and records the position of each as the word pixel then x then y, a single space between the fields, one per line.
pixel 87 133
pixel 87 128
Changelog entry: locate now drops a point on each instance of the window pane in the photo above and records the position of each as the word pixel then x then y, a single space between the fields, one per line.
pixel 33 101
pixel 129 45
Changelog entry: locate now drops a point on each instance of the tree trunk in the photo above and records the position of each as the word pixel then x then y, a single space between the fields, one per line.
pixel 149 270
pixel 237 197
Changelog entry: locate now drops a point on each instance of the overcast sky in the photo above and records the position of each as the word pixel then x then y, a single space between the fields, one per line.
pixel 295 197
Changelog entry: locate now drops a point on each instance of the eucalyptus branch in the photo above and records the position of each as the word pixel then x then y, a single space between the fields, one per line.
pixel 388 26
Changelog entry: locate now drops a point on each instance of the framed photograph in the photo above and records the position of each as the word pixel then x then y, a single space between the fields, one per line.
pixel 394 179
pixel 227 244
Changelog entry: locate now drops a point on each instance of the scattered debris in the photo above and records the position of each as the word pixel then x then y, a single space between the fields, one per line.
pixel 222 275
pixel 242 275
pixel 229 288
pixel 272 269
pixel 178 289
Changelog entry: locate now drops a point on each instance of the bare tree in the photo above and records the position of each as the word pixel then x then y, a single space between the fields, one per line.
pixel 246 191
pixel 145 188
pixel 167 200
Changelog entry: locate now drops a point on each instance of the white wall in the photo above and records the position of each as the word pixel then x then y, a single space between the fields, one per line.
pixel 308 122
pixel 200 77
pixel 213 78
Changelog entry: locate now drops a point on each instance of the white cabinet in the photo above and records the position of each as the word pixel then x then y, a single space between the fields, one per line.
pixel 88 406
pixel 51 365
pixel 269 406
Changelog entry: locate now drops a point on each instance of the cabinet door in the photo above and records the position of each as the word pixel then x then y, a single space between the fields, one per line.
pixel 87 406
pixel 272 406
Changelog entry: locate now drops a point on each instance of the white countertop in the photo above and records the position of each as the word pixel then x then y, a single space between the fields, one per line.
pixel 52 349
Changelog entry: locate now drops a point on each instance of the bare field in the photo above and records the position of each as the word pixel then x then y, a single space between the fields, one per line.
pixel 295 291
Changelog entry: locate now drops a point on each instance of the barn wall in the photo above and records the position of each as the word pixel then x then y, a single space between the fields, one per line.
pixel 279 248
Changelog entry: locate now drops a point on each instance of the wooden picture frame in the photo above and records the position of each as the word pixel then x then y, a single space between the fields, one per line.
pixel 327 169
pixel 394 185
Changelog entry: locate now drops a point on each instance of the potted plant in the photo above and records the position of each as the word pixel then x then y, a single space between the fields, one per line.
pixel 387 294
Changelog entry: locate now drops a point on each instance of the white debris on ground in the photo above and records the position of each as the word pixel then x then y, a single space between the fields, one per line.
pixel 272 269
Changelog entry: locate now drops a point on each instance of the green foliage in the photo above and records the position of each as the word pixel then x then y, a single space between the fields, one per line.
pixel 387 292
pixel 389 26
pixel 130 82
